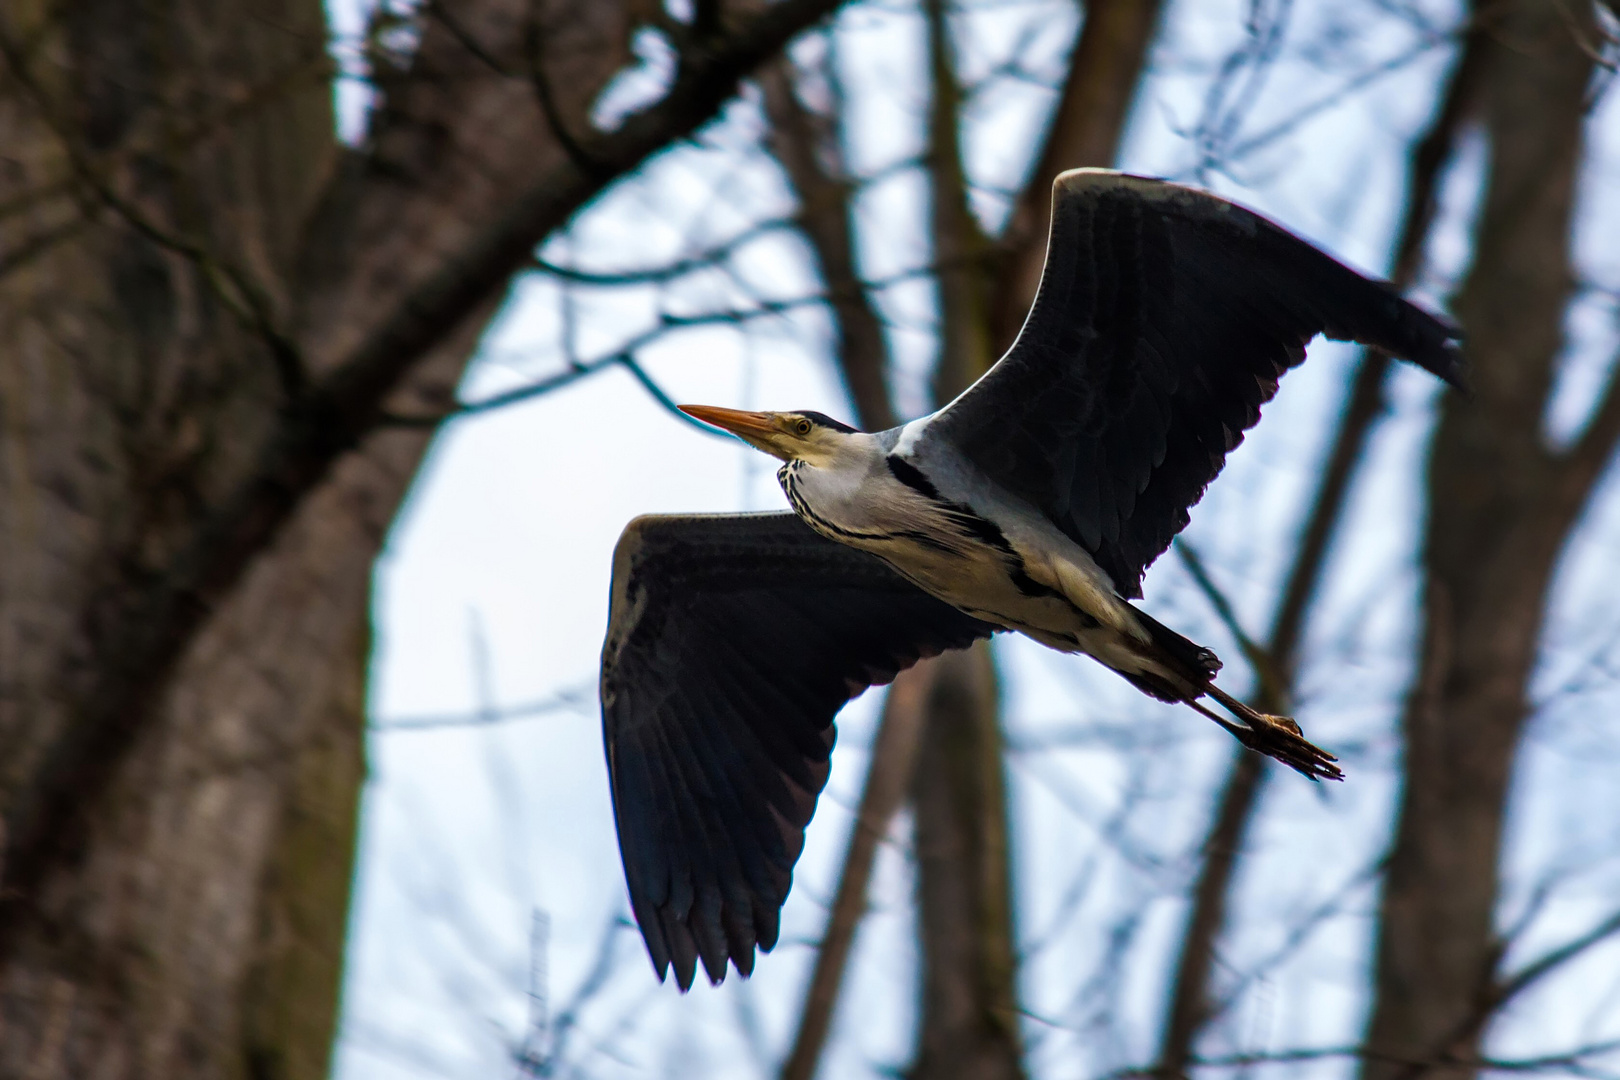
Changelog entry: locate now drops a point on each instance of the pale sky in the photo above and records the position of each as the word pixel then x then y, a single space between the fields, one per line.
pixel 492 594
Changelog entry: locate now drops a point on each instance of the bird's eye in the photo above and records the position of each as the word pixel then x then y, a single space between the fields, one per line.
pixel 802 427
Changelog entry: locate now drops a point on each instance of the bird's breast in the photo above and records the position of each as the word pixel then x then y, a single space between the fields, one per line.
pixel 994 570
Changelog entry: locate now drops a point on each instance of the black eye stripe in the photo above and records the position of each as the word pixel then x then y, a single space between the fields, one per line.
pixel 823 420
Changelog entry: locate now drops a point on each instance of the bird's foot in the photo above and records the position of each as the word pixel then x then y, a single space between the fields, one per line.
pixel 1276 737
pixel 1279 737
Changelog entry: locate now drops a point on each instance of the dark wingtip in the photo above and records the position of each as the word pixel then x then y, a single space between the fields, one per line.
pixel 683 950
pixel 1433 342
pixel 714 967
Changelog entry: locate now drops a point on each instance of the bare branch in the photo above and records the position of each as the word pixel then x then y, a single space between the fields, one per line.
pixel 659 275
pixel 436 9
pixel 1236 88
pixel 581 698
pixel 1576 1062
pixel 534 51
pixel 1532 973
pixel 1271 689
pixel 1305 113
pixel 40 243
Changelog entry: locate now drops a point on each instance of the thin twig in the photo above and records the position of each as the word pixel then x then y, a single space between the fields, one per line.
pixel 659 275
pixel 576 699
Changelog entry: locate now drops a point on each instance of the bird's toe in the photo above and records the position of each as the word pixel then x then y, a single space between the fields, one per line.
pixel 1285 722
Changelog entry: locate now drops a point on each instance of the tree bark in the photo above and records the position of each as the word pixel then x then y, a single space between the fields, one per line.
pixel 1501 506
pixel 187 260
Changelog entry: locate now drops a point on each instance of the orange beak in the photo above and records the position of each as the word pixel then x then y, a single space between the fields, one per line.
pixel 745 425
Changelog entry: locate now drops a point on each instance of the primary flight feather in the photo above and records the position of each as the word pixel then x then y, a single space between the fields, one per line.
pixel 1033 503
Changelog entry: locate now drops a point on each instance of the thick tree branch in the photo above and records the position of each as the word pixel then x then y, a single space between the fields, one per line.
pixel 968 1029
pixel 137 639
pixel 232 285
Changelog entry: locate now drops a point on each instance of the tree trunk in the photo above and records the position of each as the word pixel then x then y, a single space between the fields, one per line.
pixel 177 882
pixel 964 892
pixel 1501 505
pixel 969 1023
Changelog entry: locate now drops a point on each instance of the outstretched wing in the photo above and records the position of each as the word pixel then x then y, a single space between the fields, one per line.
pixel 1164 319
pixel 732 642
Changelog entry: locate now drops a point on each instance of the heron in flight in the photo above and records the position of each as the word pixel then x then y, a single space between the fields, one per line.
pixel 1031 503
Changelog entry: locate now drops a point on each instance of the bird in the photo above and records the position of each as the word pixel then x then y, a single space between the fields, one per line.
pixel 1032 503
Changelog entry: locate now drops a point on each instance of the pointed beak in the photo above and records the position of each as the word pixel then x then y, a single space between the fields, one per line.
pixel 749 426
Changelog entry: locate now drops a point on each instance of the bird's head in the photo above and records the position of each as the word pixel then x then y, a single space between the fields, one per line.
pixel 802 436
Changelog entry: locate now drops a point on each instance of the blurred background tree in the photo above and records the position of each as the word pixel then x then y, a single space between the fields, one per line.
pixel 260 261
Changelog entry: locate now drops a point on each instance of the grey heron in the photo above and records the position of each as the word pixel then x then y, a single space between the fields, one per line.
pixel 1032 503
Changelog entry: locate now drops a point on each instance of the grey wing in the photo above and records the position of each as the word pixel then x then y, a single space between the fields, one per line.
pixel 732 642
pixel 1164 319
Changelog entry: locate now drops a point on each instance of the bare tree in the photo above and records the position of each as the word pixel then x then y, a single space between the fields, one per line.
pixel 215 309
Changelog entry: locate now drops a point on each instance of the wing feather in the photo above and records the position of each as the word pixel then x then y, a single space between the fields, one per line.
pixel 732 642
pixel 1164 320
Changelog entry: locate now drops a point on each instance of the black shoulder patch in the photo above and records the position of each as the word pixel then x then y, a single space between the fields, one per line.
pixel 826 421
pixel 911 476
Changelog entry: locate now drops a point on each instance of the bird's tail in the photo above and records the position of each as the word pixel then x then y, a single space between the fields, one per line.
pixel 1199 664
pixel 1193 665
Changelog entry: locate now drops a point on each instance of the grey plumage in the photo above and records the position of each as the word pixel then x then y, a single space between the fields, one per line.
pixel 1032 503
